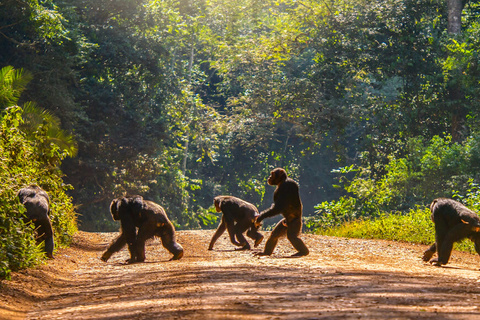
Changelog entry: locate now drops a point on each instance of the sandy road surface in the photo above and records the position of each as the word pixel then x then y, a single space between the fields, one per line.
pixel 340 279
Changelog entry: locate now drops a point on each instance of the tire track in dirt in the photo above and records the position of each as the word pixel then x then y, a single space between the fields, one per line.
pixel 340 279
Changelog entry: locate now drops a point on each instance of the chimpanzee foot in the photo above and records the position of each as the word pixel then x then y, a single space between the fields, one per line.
pixel 179 256
pixel 259 254
pixel 436 263
pixel 299 254
pixel 245 247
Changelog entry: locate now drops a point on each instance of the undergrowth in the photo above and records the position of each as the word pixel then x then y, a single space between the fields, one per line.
pixel 414 227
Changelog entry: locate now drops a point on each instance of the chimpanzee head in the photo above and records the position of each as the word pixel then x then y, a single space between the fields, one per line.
pixel 277 176
pixel 31 191
pixel 216 202
pixel 133 203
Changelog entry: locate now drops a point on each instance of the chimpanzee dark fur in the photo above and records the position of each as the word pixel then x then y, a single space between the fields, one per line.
pixel 150 219
pixel 453 222
pixel 238 217
pixel 37 203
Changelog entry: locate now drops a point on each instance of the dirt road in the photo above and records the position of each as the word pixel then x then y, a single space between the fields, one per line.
pixel 340 279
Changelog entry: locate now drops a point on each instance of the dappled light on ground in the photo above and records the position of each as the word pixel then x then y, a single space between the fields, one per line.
pixel 341 278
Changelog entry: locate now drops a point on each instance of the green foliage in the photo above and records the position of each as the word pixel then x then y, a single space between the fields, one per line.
pixel 208 218
pixel 183 100
pixel 26 162
pixel 414 226
pixel 429 170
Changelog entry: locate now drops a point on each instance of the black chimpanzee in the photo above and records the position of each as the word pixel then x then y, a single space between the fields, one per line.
pixel 453 222
pixel 238 216
pixel 151 220
pixel 286 201
pixel 37 203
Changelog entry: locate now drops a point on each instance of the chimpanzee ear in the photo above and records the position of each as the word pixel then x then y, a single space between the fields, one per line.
pixel 114 209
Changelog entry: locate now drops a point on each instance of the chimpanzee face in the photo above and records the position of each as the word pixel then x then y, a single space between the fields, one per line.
pixel 277 176
pixel 216 201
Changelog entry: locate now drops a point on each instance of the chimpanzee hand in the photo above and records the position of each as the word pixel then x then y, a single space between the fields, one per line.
pixel 106 256
pixel 258 241
pixel 257 223
pixel 427 255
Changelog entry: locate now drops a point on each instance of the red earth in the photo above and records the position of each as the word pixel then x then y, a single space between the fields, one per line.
pixel 340 279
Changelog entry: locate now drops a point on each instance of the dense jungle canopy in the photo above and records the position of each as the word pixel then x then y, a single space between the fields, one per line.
pixel 372 106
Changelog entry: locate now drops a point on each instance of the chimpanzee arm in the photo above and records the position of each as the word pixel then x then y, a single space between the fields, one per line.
pixel 476 240
pixel 428 254
pixel 282 199
pixel 220 230
pixel 116 246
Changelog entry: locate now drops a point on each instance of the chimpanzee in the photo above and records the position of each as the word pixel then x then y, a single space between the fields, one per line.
pixel 151 220
pixel 238 216
pixel 453 222
pixel 286 201
pixel 37 203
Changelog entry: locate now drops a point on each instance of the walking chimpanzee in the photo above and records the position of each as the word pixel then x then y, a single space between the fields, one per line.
pixel 150 219
pixel 238 217
pixel 286 201
pixel 37 203
pixel 453 222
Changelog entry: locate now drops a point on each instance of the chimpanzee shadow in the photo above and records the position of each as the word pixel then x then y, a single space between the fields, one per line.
pixel 140 263
pixel 460 268
pixel 230 250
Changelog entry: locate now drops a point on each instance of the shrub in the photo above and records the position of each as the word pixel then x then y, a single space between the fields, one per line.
pixel 24 162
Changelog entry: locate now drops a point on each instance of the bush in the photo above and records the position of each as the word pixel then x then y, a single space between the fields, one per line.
pixel 23 163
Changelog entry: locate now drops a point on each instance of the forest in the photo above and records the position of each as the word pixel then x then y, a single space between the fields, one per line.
pixel 371 106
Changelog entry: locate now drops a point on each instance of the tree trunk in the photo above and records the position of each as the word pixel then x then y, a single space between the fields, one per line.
pixel 455 8
pixel 456 95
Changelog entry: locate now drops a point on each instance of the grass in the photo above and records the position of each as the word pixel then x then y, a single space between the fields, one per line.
pixel 414 227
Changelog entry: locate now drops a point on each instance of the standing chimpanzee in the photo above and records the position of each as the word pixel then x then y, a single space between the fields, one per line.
pixel 151 220
pixel 37 203
pixel 453 222
pixel 286 201
pixel 238 216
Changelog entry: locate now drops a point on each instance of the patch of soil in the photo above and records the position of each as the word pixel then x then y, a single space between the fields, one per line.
pixel 340 279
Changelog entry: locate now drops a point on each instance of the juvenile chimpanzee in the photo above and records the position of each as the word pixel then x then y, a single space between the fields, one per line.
pixel 453 222
pixel 286 201
pixel 37 203
pixel 151 220
pixel 238 216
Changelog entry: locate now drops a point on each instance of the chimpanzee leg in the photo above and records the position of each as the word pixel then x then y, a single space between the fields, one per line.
pixel 428 254
pixel 116 246
pixel 441 230
pixel 220 230
pixel 240 228
pixel 145 231
pixel 279 231
pixel 255 235
pixel 45 233
pixel 130 233
pixel 230 222
pixel 167 234
pixel 294 228
pixel 456 233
